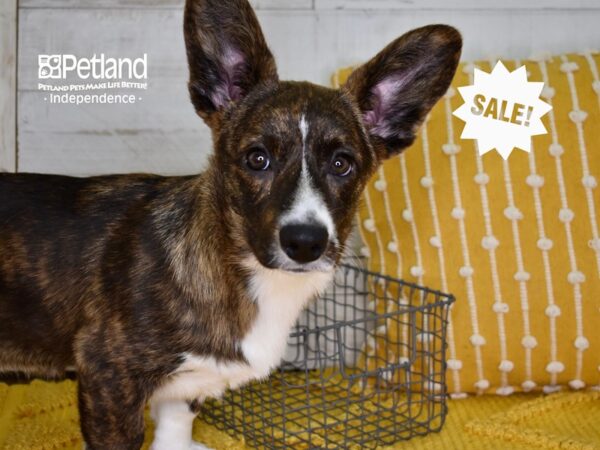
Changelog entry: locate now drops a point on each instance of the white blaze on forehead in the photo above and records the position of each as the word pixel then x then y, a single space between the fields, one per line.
pixel 308 205
pixel 304 131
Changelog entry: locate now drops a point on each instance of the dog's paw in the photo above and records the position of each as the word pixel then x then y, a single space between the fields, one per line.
pixel 199 446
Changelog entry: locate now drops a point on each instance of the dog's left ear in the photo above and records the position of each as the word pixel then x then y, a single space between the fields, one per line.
pixel 397 88
pixel 227 55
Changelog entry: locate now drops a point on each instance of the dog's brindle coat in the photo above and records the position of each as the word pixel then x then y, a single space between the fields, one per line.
pixel 169 289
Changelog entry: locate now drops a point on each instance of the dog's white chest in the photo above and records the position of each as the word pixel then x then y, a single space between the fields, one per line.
pixel 280 297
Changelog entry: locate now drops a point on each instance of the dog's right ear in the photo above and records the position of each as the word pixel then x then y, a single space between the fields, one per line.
pixel 227 55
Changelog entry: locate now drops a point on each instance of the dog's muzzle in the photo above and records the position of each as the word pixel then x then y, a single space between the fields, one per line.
pixel 304 243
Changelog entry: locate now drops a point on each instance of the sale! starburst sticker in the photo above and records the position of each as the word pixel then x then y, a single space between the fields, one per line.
pixel 502 110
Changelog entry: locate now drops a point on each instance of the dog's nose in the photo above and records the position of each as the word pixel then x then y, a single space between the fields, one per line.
pixel 303 243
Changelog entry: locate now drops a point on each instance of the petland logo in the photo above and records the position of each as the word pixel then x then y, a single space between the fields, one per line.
pixel 97 67
pixel 95 80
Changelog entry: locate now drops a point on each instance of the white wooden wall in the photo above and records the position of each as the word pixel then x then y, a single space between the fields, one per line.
pixel 8 85
pixel 310 39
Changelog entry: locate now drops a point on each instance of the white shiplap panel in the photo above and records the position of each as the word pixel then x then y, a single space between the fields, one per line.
pixel 282 4
pixel 334 4
pixel 307 44
pixel 153 4
pixel 108 149
pixel 8 85
pixel 159 134
pixel 325 40
pixel 457 4
pixel 162 133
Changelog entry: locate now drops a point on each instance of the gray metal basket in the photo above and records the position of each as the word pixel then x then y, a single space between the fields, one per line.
pixel 365 367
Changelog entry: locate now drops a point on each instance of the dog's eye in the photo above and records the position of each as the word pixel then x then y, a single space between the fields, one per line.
pixel 341 166
pixel 258 159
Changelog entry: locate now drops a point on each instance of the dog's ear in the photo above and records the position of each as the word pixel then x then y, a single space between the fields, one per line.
pixel 227 55
pixel 397 88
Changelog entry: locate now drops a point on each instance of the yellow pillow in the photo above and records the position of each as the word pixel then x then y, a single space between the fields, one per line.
pixel 517 241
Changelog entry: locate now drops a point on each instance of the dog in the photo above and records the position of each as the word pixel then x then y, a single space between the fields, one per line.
pixel 169 290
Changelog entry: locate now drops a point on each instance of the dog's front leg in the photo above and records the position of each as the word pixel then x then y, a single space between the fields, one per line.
pixel 111 415
pixel 174 420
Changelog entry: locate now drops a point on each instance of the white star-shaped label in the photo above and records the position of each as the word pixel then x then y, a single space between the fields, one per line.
pixel 502 110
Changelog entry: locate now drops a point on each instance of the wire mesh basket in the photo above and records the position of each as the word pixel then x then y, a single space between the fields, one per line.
pixel 365 367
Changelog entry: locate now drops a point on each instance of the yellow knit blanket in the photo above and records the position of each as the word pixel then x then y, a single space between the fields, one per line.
pixel 43 416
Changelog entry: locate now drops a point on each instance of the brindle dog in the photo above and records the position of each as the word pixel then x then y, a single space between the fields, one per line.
pixel 170 289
